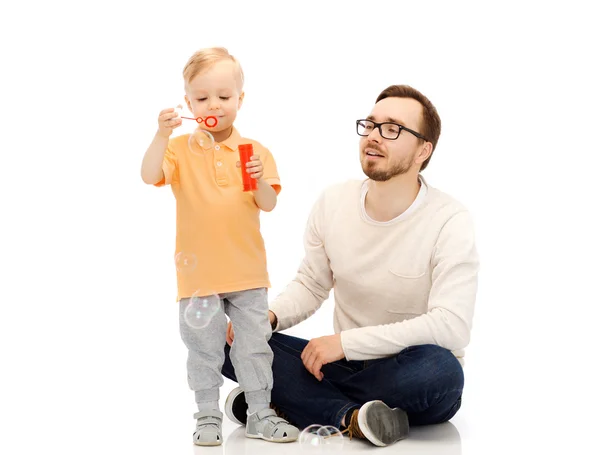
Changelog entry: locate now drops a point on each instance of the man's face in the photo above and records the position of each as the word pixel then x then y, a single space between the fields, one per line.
pixel 382 159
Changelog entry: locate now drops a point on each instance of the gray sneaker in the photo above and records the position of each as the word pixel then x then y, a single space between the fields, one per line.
pixel 380 424
pixel 208 428
pixel 236 407
pixel 265 424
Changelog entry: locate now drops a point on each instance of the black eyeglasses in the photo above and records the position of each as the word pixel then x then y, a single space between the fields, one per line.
pixel 388 130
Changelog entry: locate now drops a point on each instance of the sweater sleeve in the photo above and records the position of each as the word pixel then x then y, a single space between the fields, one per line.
pixel 448 321
pixel 314 279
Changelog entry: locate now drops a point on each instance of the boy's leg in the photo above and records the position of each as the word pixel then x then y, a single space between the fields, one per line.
pixel 426 381
pixel 205 360
pixel 296 392
pixel 252 358
pixel 205 356
pixel 250 353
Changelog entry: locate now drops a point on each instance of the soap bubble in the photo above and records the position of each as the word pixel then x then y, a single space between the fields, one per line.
pixel 200 141
pixel 320 439
pixel 201 309
pixel 185 262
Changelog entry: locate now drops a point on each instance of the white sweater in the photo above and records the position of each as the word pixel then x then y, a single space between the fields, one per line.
pixel 404 282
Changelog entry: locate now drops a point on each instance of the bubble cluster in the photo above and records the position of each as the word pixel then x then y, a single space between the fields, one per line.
pixel 321 439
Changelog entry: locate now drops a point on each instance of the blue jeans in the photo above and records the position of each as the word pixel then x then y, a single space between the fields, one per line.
pixel 426 381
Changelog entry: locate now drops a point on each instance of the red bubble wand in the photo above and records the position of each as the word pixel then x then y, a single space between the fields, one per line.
pixel 212 119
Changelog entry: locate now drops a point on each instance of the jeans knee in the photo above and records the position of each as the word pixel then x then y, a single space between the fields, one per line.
pixel 438 362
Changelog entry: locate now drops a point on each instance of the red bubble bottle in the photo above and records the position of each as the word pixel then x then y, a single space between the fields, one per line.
pixel 246 152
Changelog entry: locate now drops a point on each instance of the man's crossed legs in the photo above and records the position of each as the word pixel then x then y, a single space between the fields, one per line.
pixel 421 385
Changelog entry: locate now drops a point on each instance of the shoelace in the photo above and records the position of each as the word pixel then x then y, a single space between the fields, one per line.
pixel 352 428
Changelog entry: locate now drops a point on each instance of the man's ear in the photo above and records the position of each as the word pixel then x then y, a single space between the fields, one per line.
pixel 424 152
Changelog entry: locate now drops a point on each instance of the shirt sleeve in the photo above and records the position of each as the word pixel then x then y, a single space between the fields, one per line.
pixel 169 166
pixel 448 322
pixel 314 279
pixel 270 174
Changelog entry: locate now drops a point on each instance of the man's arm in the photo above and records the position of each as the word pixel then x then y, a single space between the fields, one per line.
pixel 314 279
pixel 449 318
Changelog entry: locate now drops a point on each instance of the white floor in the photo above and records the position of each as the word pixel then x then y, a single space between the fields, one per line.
pixel 444 439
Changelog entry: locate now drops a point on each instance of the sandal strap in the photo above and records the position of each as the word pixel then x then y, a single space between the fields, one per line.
pixel 271 416
pixel 274 422
pixel 208 417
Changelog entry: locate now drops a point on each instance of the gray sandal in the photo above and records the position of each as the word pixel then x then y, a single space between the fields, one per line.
pixel 208 428
pixel 265 424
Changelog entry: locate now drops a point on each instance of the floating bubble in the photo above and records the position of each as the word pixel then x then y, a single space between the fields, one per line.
pixel 178 110
pixel 310 437
pixel 320 439
pixel 200 141
pixel 201 309
pixel 331 437
pixel 185 262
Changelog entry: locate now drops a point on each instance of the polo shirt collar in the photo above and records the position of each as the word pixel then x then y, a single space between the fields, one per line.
pixel 233 140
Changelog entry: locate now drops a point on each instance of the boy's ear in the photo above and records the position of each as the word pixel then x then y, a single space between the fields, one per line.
pixel 241 100
pixel 187 102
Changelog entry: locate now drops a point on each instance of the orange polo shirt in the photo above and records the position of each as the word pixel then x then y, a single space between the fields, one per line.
pixel 218 226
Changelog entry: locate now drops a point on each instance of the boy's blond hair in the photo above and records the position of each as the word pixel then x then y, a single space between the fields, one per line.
pixel 205 58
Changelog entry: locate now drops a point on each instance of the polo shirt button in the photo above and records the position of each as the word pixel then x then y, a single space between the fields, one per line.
pixel 217 147
pixel 219 163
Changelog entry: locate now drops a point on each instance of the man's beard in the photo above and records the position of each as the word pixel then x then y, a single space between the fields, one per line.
pixel 379 175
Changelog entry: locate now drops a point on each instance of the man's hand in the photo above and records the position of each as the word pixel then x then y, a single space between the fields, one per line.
pixel 229 336
pixel 321 351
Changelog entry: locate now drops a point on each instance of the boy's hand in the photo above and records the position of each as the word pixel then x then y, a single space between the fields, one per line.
pixel 168 120
pixel 254 167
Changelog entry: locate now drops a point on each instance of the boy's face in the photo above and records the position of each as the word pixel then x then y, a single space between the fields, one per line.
pixel 215 92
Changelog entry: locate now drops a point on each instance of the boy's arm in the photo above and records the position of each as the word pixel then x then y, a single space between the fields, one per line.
pixel 152 171
pixel 265 196
pixel 262 167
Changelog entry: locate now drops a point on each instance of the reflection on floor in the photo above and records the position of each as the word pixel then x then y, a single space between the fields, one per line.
pixel 443 439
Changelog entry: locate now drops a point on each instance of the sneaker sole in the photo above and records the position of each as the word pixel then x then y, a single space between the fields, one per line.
pixel 229 405
pixel 381 425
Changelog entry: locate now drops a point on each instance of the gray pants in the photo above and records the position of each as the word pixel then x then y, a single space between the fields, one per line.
pixel 250 354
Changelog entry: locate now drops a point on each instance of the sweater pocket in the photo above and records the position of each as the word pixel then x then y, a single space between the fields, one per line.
pixel 411 291
pixel 412 275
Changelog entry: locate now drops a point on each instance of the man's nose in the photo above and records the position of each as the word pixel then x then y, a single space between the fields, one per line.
pixel 374 135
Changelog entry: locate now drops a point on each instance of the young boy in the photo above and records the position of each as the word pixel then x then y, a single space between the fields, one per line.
pixel 218 226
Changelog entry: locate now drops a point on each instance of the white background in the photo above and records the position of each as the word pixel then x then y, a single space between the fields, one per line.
pixel 91 359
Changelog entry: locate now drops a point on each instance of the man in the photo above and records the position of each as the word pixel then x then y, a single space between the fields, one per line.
pixel 401 258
